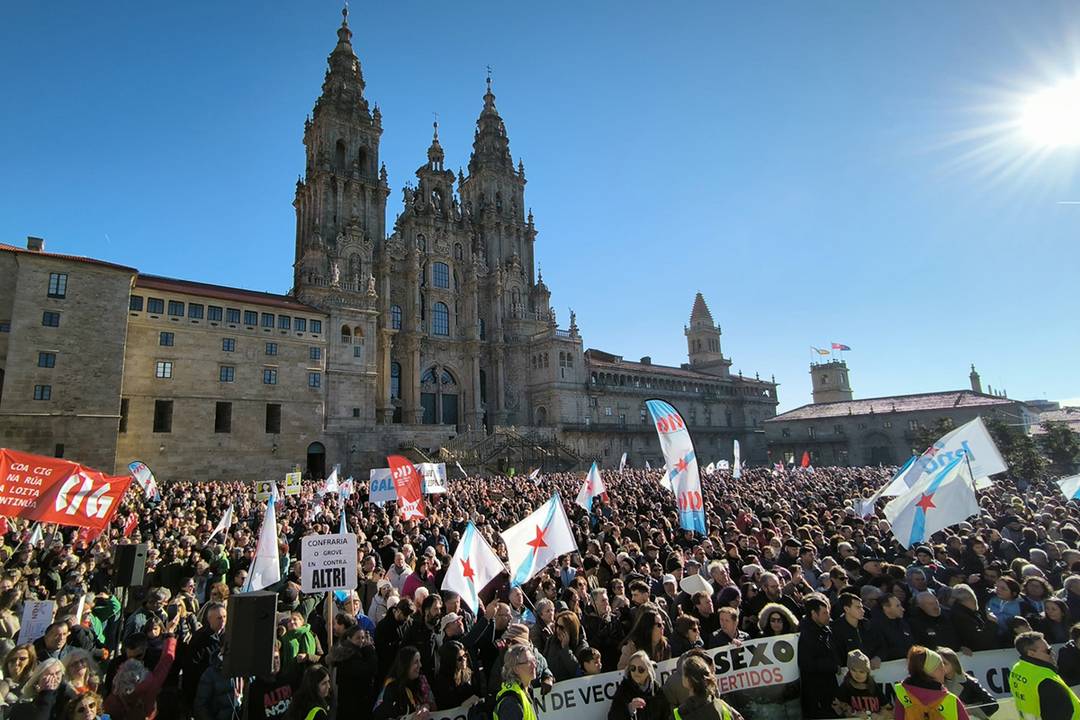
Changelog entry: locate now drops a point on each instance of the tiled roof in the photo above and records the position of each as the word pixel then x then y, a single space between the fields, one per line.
pixel 600 360
pixel 221 292
pixel 896 403
pixel 60 256
pixel 1068 415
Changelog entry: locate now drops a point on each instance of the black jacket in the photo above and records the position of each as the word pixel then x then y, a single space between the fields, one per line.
pixel 1069 663
pixel 973 630
pixel 934 632
pixel 355 670
pixel 656 705
pixel 888 639
pixel 817 668
pixel 847 638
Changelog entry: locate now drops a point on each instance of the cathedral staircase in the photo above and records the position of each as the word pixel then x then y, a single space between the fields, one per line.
pixel 506 448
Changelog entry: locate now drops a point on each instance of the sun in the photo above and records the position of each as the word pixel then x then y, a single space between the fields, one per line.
pixel 1051 117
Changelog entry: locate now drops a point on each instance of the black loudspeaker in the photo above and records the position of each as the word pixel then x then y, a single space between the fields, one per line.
pixel 129 565
pixel 249 634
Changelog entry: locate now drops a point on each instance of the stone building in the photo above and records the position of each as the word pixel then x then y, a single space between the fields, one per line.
pixel 869 431
pixel 63 331
pixel 435 337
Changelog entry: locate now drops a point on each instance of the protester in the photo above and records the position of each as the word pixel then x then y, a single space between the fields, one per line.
pixel 858 694
pixel 639 695
pixel 978 700
pixel 314 698
pixel 513 701
pixel 1035 683
pixel 923 691
pixel 704 702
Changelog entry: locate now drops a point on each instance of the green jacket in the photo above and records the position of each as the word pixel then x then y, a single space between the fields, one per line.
pixel 300 641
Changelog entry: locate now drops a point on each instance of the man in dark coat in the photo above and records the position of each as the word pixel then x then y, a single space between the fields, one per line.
pixel 817 659
pixel 890 635
pixel 849 630
pixel 932 626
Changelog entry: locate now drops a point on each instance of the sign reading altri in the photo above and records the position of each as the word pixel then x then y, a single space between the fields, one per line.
pixel 328 563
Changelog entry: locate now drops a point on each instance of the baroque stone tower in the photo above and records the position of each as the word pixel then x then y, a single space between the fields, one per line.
pixel 830 381
pixel 703 341
pixel 340 223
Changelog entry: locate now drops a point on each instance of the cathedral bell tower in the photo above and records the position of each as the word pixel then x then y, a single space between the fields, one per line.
pixel 341 201
pixel 703 341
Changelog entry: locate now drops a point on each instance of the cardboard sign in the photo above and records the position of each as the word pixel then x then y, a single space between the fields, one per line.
pixel 328 563
pixel 293 482
pixel 434 477
pixel 263 490
pixel 381 486
pixel 36 618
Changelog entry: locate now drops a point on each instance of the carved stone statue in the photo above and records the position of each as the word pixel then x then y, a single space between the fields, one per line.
pixel 335 273
pixel 370 284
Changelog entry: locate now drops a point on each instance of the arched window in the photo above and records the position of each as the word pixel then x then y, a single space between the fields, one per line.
pixel 346 335
pixel 440 319
pixel 395 380
pixel 440 275
pixel 358 344
pixel 439 397
pixel 339 155
pixel 395 317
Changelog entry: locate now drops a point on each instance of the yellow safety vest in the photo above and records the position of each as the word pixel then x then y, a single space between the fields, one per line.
pixel 1024 680
pixel 314 712
pixel 725 710
pixel 527 710
pixel 947 706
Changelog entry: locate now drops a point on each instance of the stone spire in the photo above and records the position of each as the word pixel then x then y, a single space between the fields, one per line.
pixel 435 152
pixel 344 82
pixel 976 381
pixel 491 147
pixel 700 313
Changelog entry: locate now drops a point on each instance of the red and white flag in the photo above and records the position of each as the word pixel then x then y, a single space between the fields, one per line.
pixel 131 524
pixel 592 487
pixel 408 486
pixel 538 540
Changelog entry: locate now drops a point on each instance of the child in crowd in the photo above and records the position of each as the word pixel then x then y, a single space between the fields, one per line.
pixel 859 696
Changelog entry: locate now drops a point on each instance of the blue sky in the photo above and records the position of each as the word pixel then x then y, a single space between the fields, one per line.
pixel 836 171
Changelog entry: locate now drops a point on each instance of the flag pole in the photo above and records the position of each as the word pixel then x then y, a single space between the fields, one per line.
pixel 971 475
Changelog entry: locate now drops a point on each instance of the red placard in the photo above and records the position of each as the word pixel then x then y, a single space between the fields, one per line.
pixel 51 490
pixel 408 487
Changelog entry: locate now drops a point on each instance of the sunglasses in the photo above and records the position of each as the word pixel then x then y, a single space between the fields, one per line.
pixel 638 668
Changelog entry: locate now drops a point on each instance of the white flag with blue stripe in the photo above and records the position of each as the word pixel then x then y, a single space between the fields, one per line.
pixel 473 566
pixel 538 540
pixel 592 487
pixel 682 475
pixel 940 499
pixel 1070 486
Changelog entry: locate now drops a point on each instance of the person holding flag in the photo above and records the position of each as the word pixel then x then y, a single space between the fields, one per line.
pixel 936 502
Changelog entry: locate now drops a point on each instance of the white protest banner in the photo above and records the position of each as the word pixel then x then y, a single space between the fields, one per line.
pixel 293 483
pixel 381 486
pixel 758 671
pixel 990 667
pixel 263 490
pixel 36 618
pixel 433 476
pixel 328 563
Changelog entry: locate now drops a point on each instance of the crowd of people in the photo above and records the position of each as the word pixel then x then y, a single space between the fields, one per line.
pixel 785 553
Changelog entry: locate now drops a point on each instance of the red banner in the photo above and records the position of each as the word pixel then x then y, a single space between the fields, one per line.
pixel 408 486
pixel 51 490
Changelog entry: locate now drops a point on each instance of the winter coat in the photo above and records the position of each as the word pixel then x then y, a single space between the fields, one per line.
pixel 817 668
pixel 300 641
pixel 934 632
pixel 355 672
pixel 888 639
pixel 973 629
pixel 972 694
pixel 141 703
pixel 215 698
pixel 928 694
pixel 656 705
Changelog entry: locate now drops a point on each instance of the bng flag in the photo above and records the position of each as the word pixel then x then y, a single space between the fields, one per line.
pixel 971 441
pixel 682 464
pixel 944 498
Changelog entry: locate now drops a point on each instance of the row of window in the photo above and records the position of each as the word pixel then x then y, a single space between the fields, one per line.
pixel 163 417
pixel 167 339
pixel 214 313
pixel 838 429
pixel 163 370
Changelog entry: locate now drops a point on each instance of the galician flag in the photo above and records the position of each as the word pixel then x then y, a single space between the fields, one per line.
pixel 944 498
pixel 971 440
pixel 224 524
pixel 332 485
pixel 736 466
pixel 35 536
pixel 592 487
pixel 535 476
pixel 1070 486
pixel 347 489
pixel 647 465
pixel 538 540
pixel 710 468
pixel 622 462
pixel 682 465
pixel 343 526
pixel 266 567
pixel 473 566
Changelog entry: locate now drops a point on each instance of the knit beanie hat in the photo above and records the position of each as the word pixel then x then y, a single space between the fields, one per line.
pixel 857 660
pixel 933 661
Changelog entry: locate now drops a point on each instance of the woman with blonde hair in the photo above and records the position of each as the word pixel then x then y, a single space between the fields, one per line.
pixel 16 669
pixel 980 703
pixel 704 702
pixel 639 695
pixel 80 671
pixel 46 693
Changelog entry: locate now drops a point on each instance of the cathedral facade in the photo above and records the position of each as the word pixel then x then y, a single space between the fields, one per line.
pixel 435 337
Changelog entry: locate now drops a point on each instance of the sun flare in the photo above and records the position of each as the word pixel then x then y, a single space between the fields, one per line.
pixel 1051 117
